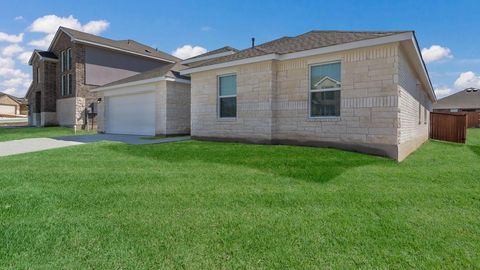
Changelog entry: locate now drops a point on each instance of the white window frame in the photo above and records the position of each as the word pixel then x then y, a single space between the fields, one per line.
pixel 310 90
pixel 38 75
pixel 62 60
pixel 63 79
pixel 227 96
pixel 69 84
pixel 69 58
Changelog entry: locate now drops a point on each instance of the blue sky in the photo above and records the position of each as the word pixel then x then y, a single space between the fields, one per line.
pixel 451 27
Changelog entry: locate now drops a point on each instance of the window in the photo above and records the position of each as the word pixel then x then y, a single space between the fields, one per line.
pixel 227 96
pixel 64 85
pixel 325 85
pixel 69 80
pixel 38 75
pixel 425 116
pixel 62 60
pixel 419 113
pixel 69 58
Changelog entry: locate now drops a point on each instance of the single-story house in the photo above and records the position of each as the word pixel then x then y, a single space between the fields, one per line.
pixel 360 91
pixel 156 102
pixel 467 100
pixel 12 106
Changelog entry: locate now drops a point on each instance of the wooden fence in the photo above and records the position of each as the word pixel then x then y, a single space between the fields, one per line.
pixel 473 119
pixel 448 127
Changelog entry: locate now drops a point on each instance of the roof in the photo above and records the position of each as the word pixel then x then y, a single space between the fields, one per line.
pixel 16 99
pixel 170 71
pixel 46 54
pixel 43 55
pixel 217 51
pixel 303 42
pixel 129 45
pixel 466 99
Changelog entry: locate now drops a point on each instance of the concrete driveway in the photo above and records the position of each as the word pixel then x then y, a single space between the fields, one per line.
pixel 38 144
pixel 32 145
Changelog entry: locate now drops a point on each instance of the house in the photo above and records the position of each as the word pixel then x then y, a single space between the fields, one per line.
pixel 12 106
pixel 467 100
pixel 155 102
pixel 74 64
pixel 360 91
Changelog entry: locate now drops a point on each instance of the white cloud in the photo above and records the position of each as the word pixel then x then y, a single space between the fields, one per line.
pixel 10 91
pixel 11 38
pixel 206 28
pixel 11 50
pixel 49 24
pixel 436 53
pixel 43 42
pixel 24 57
pixel 188 51
pixel 18 18
pixel 96 27
pixel 467 79
pixel 443 91
pixel 14 80
pixel 6 62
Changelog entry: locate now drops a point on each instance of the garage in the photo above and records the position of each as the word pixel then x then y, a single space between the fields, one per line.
pixel 8 109
pixel 130 114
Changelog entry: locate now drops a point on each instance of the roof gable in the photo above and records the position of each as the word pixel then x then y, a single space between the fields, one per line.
pixel 465 99
pixel 126 46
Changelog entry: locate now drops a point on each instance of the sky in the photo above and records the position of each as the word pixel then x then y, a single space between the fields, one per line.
pixel 448 31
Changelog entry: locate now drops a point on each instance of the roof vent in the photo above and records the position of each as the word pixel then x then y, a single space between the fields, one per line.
pixel 471 89
pixel 148 51
pixel 253 42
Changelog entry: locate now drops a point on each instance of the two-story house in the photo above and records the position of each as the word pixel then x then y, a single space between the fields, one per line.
pixel 74 64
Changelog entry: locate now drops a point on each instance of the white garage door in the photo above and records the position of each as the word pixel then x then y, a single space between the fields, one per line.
pixel 7 109
pixel 131 114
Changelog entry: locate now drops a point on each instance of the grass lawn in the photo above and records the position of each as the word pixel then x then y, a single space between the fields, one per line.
pixel 206 205
pixel 8 134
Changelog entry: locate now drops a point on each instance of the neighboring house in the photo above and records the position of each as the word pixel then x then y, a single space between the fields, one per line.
pixel 77 62
pixel 277 93
pixel 11 105
pixel 467 100
pixel 156 102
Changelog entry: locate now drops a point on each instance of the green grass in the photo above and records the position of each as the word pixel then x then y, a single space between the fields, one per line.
pixel 8 134
pixel 206 205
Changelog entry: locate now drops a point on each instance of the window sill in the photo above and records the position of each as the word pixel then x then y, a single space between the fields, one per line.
pixel 226 119
pixel 324 119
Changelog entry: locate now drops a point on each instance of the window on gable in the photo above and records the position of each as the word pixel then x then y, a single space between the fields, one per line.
pixel 38 75
pixel 64 85
pixel 63 61
pixel 325 85
pixel 69 59
pixel 227 96
pixel 69 89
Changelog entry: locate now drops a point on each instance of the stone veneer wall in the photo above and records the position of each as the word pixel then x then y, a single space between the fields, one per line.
pixel 272 103
pixel 178 108
pixel 415 107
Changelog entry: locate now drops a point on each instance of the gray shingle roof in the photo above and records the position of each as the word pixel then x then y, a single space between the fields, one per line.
pixel 127 45
pixel 460 100
pixel 303 42
pixel 46 54
pixel 170 70
pixel 220 50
